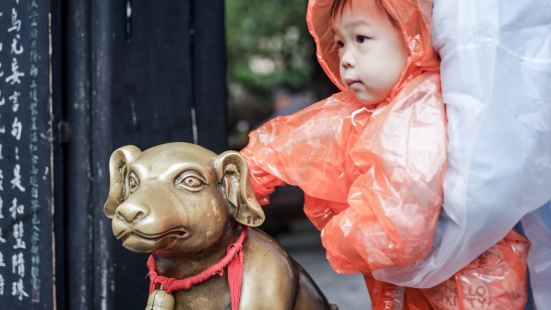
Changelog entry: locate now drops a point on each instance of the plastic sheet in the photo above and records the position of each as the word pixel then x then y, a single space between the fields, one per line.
pixel 496 77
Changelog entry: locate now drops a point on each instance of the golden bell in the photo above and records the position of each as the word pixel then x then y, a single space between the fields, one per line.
pixel 160 300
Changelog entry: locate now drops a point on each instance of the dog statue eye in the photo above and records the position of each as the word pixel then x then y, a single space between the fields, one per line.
pixel 190 181
pixel 133 182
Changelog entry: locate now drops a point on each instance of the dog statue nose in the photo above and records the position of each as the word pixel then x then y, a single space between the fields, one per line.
pixel 131 213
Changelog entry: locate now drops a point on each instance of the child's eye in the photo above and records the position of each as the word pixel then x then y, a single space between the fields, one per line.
pixel 361 39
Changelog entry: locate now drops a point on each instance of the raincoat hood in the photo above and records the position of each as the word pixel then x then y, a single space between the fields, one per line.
pixel 413 18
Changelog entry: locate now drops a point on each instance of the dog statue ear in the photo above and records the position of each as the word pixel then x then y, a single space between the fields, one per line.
pixel 232 174
pixel 117 175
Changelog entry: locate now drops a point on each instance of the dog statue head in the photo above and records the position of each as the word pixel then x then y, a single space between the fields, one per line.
pixel 177 197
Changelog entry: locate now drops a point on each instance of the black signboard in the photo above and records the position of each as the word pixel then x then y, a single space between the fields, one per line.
pixel 26 255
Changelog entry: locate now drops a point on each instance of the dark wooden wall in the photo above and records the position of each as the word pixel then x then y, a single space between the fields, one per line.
pixel 134 72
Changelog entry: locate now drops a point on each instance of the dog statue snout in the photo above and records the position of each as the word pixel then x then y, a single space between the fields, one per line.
pixel 131 212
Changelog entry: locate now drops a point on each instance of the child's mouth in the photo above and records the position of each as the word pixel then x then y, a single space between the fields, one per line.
pixel 353 83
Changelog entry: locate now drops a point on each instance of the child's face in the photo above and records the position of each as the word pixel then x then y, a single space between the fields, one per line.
pixel 371 50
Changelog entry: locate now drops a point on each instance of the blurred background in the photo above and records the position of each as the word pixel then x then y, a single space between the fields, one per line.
pixel 272 68
pixel 272 71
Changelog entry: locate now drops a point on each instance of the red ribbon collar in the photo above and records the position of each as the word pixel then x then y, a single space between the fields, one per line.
pixel 235 273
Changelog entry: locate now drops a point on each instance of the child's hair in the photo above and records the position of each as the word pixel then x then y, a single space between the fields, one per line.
pixel 339 5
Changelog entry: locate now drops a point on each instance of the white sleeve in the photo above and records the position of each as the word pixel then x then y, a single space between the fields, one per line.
pixel 496 83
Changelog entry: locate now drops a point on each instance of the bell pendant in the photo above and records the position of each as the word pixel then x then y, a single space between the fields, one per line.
pixel 160 300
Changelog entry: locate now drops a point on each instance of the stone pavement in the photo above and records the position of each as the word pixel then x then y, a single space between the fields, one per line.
pixel 304 245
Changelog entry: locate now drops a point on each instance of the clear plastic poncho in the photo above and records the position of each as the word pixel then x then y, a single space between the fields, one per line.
pixel 496 83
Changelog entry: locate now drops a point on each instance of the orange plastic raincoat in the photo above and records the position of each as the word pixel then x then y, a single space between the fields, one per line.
pixel 372 175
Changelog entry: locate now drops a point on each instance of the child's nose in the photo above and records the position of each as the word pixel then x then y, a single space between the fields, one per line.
pixel 347 59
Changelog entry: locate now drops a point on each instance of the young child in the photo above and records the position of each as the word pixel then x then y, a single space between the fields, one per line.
pixel 371 158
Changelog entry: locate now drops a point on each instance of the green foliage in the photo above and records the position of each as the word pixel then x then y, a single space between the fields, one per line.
pixel 268 44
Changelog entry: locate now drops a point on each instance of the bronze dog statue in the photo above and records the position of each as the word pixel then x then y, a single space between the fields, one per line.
pixel 185 205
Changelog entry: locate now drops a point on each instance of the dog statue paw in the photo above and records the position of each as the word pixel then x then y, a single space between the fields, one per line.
pixel 195 213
